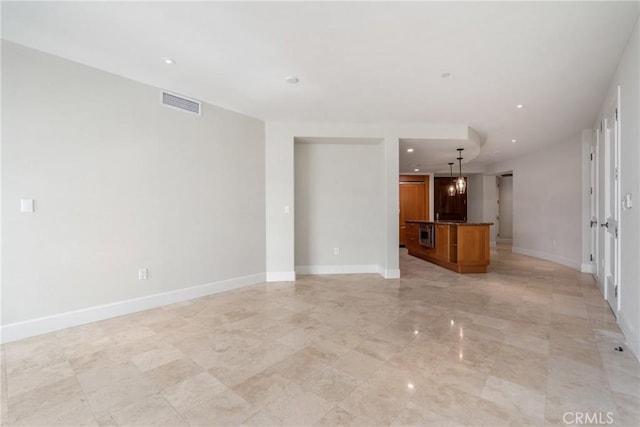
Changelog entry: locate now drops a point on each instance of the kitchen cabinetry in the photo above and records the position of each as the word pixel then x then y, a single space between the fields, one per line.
pixel 414 201
pixel 461 247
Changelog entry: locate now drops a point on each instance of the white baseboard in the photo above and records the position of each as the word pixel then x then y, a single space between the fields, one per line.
pixel 586 267
pixel 547 256
pixel 337 269
pixel 348 269
pixel 56 322
pixel 630 335
pixel 390 273
pixel 281 276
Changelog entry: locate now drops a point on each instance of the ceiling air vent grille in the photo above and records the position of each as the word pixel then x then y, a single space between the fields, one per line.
pixel 180 102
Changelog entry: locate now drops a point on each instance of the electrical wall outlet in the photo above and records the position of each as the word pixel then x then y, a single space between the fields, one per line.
pixel 336 251
pixel 143 274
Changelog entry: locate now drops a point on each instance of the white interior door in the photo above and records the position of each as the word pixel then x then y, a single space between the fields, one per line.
pixel 600 161
pixel 611 224
pixel 593 217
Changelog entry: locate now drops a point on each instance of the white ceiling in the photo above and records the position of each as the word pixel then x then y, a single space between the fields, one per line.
pixel 357 61
pixel 431 155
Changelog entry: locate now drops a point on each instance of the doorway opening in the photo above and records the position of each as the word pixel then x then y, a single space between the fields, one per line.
pixel 505 208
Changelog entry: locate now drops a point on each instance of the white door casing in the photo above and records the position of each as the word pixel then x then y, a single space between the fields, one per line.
pixel 612 209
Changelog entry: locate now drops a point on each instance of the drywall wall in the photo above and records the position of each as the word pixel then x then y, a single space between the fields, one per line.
pixel 481 201
pixel 475 198
pixel 627 77
pixel 547 202
pixel 120 183
pixel 279 178
pixel 490 207
pixel 505 207
pixel 587 251
pixel 339 204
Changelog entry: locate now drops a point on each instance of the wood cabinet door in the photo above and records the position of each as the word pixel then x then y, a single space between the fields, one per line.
pixel 473 245
pixel 412 241
pixel 448 208
pixel 442 242
pixel 413 205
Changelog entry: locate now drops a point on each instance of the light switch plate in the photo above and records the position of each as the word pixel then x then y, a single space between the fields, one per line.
pixel 26 205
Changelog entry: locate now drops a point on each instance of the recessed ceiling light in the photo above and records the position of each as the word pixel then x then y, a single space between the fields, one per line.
pixel 292 80
pixel 409 150
pixel 168 61
pixel 519 106
pixel 416 170
pixel 513 140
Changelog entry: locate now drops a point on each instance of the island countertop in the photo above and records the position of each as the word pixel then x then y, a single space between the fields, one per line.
pixel 423 221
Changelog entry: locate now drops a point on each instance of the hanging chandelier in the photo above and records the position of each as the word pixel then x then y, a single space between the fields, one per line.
pixel 461 184
pixel 451 189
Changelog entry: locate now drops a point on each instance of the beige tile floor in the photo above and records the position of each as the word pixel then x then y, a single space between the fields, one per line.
pixel 525 344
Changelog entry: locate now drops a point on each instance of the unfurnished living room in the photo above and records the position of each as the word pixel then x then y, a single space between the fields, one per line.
pixel 320 213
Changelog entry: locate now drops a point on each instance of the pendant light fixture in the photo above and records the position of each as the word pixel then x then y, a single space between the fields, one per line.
pixel 451 190
pixel 461 184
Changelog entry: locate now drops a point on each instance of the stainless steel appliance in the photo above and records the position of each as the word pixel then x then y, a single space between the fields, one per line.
pixel 428 235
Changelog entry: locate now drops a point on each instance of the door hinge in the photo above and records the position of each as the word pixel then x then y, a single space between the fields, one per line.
pixel 600 125
pixel 616 114
pixel 591 190
pixel 616 174
pixel 616 291
pixel 591 155
pixel 591 257
pixel 616 232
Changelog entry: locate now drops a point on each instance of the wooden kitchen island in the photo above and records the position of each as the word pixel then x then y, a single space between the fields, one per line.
pixel 459 246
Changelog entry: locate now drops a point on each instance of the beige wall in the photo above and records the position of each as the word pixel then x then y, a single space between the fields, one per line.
pixel 547 202
pixel 475 198
pixel 628 78
pixel 120 183
pixel 279 176
pixel 505 208
pixel 339 203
